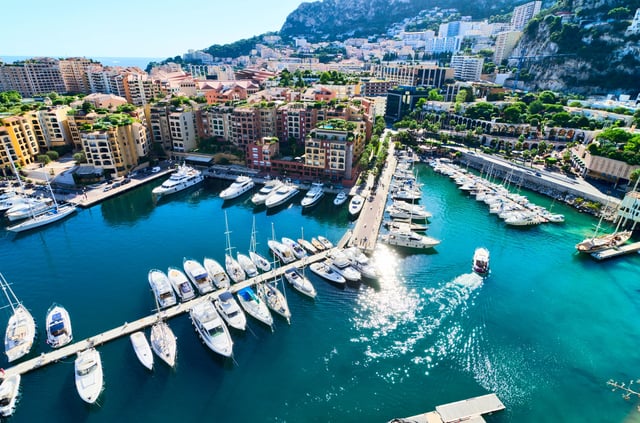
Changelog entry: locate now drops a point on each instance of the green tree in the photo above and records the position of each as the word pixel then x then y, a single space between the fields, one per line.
pixel 80 157
pixel 434 95
pixel 512 114
pixel 548 97
pixel 53 155
pixel 535 107
pixel 43 158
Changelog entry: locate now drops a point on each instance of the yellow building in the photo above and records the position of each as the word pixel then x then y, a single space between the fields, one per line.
pixel 17 135
pixel 331 148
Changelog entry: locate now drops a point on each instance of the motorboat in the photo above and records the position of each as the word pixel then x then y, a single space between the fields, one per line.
pixel 241 185
pixel 313 196
pixel 281 251
pixel 21 328
pixel 254 306
pixel 183 178
pixel 10 199
pixel 233 268
pixel 356 204
pixel 317 244
pixel 88 375
pixel 603 242
pixel 211 328
pixel 58 212
pixel 307 246
pixel 181 284
pixel 296 248
pixel 341 264
pixel 163 342
pixel 325 271
pixel 406 194
pixel 161 288
pixel 275 300
pixel 409 239
pixel 281 195
pixel 269 188
pixel 230 311
pixel 360 262
pixel 300 283
pixel 404 210
pixel 325 242
pixel 340 199
pixel 261 262
pixel 398 224
pixel 58 326
pixel 198 275
pixel 142 349
pixel 217 273
pixel 9 389
pixel 247 265
pixel 481 261
pixel 29 208
pixel 523 219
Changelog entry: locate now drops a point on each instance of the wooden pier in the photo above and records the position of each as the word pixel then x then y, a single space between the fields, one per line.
pixel 617 251
pixel 129 327
pixel 471 410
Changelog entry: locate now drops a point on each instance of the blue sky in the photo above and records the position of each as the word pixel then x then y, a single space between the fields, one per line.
pixel 146 29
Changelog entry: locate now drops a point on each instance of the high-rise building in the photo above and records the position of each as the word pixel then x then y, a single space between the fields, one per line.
pixel 32 77
pixel 467 68
pixel 17 136
pixel 74 74
pixel 426 75
pixel 505 43
pixel 330 149
pixel 523 14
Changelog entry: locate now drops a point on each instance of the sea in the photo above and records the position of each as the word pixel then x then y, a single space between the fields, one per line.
pixel 545 330
pixel 140 62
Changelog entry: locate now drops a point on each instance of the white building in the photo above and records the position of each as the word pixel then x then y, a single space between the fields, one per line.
pixel 467 68
pixel 443 45
pixel 523 14
pixel 505 43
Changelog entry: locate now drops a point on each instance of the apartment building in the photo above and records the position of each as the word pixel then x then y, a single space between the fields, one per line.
pixel 18 136
pixel 51 127
pixel 182 129
pixel 429 75
pixel 505 43
pixel 140 89
pixel 330 150
pixel 244 126
pixel 523 14
pixel 74 74
pixel 467 68
pixel 106 80
pixel 158 122
pixel 79 121
pixel 375 87
pixel 32 77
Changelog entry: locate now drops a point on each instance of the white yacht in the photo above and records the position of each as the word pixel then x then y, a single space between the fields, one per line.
pixel 313 196
pixel 325 242
pixel 230 311
pixel 198 275
pixel 217 273
pixel 281 195
pixel 342 265
pixel 161 288
pixel 233 268
pixel 44 218
pixel 261 262
pixel 181 284
pixel 269 188
pixel 241 185
pixel 9 389
pixel 361 262
pixel 29 208
pixel 88 375
pixel 211 328
pixel 142 349
pixel 58 326
pixel 281 251
pixel 275 300
pixel 317 244
pixel 340 199
pixel 21 328
pixel 523 219
pixel 163 342
pixel 300 283
pixel 296 248
pixel 409 239
pixel 355 205
pixel 480 263
pixel 183 178
pixel 325 271
pixel 10 201
pixel 254 306
pixel 247 265
pixel 307 246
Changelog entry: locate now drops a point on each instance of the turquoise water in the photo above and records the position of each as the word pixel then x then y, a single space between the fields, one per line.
pixel 545 330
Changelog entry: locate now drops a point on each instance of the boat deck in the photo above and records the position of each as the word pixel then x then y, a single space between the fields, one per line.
pixel 129 327
pixel 616 251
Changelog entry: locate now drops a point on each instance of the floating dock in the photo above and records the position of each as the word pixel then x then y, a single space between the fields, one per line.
pixel 617 251
pixel 469 410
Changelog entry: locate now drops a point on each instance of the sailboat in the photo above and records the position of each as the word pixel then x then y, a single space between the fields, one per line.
pixel 599 242
pixel 261 262
pixel 232 267
pixel 163 341
pixel 21 329
pixel 271 295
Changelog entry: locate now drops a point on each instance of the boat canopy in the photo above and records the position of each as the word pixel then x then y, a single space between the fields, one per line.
pixel 225 296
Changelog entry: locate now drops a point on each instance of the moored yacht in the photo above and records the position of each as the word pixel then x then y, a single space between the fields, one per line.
pixel 300 283
pixel 355 205
pixel 325 271
pixel 275 300
pixel 9 389
pixel 341 264
pixel 183 178
pixel 325 242
pixel 360 262
pixel 21 328
pixel 340 199
pixel 281 195
pixel 269 188
pixel 161 288
pixel 313 196
pixel 29 208
pixel 296 248
pixel 181 284
pixel 409 239
pixel 247 265
pixel 254 306
pixel 241 185
pixel 142 349
pixel 198 275
pixel 602 242
pixel 88 375
pixel 307 246
pixel 58 212
pixel 317 244
pixel 260 262
pixel 58 325
pixel 163 342
pixel 480 263
pixel 281 251
pixel 230 311
pixel 211 328
pixel 217 273
pixel 233 268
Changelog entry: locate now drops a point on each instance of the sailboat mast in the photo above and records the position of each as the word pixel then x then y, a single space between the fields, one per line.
pixel 7 291
pixel 227 232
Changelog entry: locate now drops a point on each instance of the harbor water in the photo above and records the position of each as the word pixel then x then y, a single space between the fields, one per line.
pixel 544 331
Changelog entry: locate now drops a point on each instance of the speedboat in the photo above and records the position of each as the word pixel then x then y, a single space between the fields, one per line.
pixel 181 179
pixel 198 275
pixel 58 324
pixel 281 195
pixel 260 262
pixel 217 273
pixel 181 284
pixel 247 265
pixel 281 251
pixel 307 246
pixel 355 205
pixel 296 248
pixel 360 262
pixel 325 242
pixel 523 219
pixel 230 311
pixel 481 261
pixel 161 288
pixel 211 328
pixel 325 271
pixel 88 375
pixel 269 188
pixel 9 394
pixel 341 264
pixel 409 239
pixel 142 349
pixel 300 283
pixel 21 329
pixel 275 300
pixel 319 245
pixel 399 224
pixel 233 268
pixel 313 196
pixel 163 342
pixel 241 185
pixel 254 306
pixel 29 208
pixel 340 199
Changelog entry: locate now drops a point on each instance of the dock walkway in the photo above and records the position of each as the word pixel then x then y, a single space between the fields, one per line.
pixel 469 410
pixel 129 327
pixel 616 251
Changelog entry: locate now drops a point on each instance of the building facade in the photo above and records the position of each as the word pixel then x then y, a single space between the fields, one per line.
pixel 467 68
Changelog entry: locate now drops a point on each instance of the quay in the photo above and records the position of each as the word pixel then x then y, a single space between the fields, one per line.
pixel 471 410
pixel 616 251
